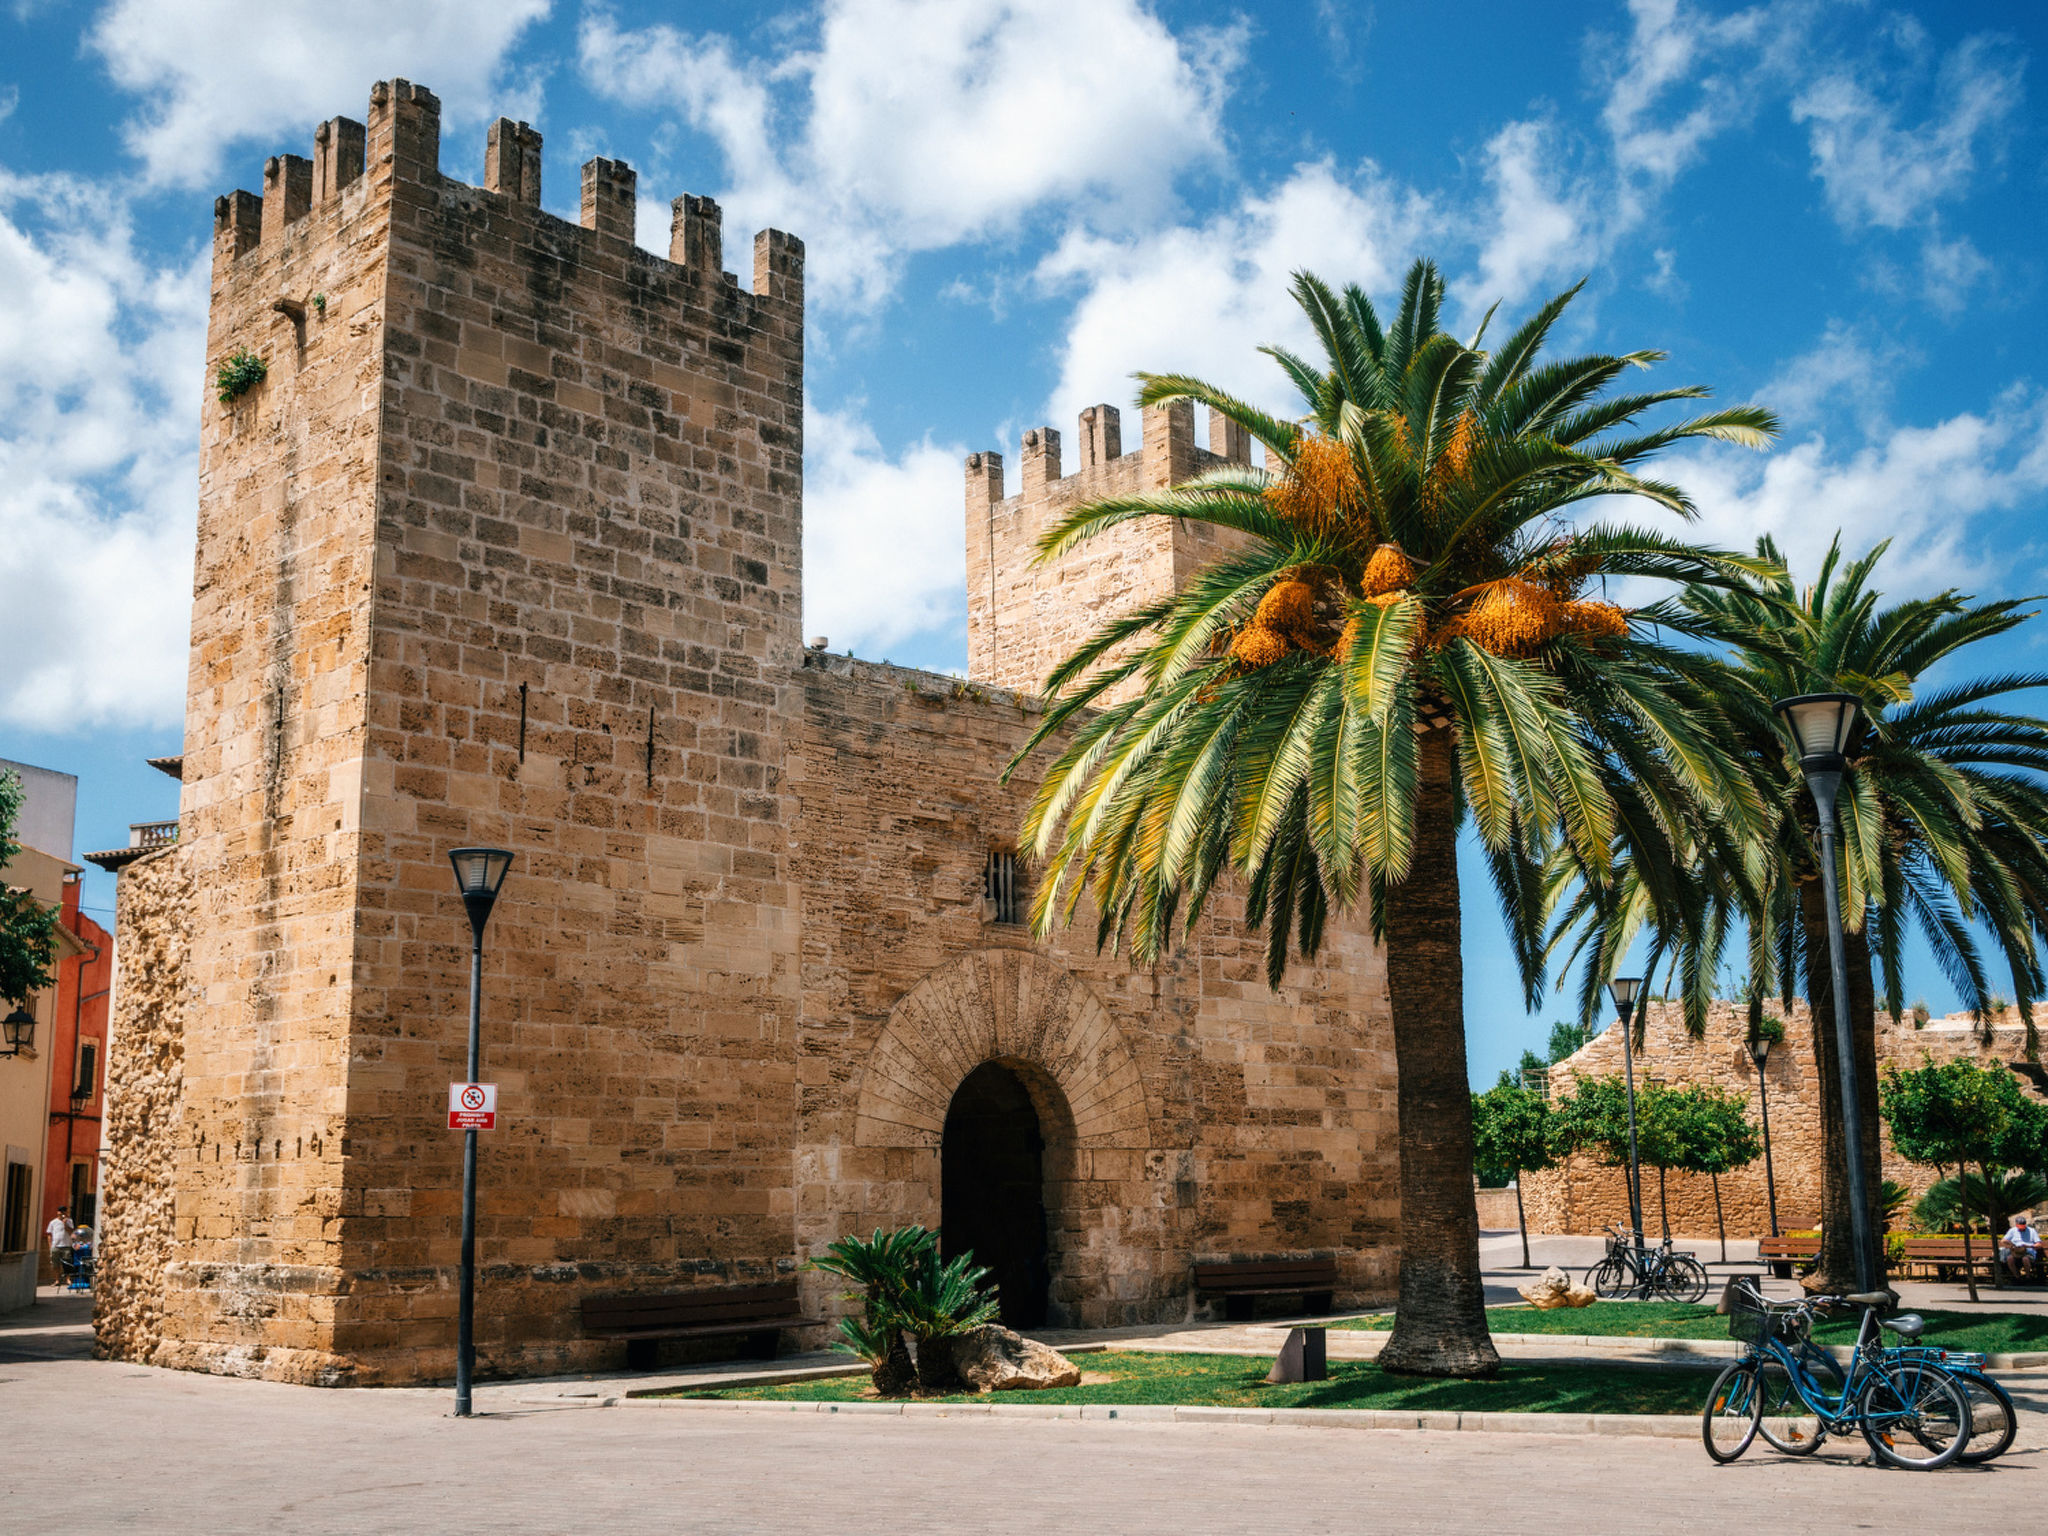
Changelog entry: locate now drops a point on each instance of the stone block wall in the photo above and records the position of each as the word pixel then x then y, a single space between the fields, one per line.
pixel 146 1129
pixel 1190 1111
pixel 1584 1195
pixel 506 549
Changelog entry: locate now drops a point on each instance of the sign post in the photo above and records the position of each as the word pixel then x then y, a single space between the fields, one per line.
pixel 472 1106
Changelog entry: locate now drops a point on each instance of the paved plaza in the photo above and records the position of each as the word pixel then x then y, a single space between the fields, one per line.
pixel 96 1447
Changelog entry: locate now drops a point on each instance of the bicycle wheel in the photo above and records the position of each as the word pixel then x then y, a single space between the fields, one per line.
pixel 1608 1279
pixel 1786 1423
pixel 1734 1409
pixel 1915 1417
pixel 1993 1419
pixel 1683 1278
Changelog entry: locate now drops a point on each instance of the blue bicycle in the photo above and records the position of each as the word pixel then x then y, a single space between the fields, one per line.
pixel 1908 1407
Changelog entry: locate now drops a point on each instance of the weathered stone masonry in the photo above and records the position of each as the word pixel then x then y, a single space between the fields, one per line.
pixel 506 548
pixel 1582 1195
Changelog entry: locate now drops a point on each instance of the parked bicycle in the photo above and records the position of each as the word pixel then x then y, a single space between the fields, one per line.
pixel 1633 1270
pixel 1908 1406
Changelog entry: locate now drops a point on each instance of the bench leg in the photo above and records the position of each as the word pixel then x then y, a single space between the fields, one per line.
pixel 640 1354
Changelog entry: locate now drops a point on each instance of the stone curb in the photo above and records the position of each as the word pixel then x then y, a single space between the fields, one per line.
pixel 1669 1426
pixel 1712 1349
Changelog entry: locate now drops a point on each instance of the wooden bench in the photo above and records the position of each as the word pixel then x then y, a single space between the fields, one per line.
pixel 1239 1281
pixel 1943 1256
pixel 1782 1253
pixel 760 1312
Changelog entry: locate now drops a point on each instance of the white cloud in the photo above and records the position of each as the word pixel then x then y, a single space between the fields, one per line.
pixel 1878 173
pixel 212 72
pixel 1675 48
pixel 1850 369
pixel 1934 491
pixel 885 539
pixel 99 384
pixel 918 124
pixel 1202 298
pixel 1545 231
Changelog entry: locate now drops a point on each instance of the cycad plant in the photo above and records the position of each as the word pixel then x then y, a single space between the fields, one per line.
pixel 904 1287
pixel 1943 815
pixel 1412 627
pixel 879 1269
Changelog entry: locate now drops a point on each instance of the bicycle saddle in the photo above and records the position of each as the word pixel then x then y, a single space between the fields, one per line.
pixel 1906 1325
pixel 1870 1298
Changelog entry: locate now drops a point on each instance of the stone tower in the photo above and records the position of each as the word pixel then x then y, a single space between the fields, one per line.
pixel 1023 619
pixel 505 548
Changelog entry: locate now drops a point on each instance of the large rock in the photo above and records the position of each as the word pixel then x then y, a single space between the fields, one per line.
pixel 1553 1289
pixel 993 1359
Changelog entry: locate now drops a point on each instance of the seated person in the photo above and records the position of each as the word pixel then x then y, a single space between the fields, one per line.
pixel 2021 1245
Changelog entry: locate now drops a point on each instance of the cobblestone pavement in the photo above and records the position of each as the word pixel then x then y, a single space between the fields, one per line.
pixel 92 1447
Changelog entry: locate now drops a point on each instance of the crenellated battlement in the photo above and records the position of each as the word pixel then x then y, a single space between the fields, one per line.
pixel 1023 618
pixel 400 144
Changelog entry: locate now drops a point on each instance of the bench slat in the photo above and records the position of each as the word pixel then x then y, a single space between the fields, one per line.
pixel 1266 1276
pixel 741 1307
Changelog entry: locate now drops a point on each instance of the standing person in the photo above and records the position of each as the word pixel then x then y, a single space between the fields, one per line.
pixel 63 1237
pixel 2022 1245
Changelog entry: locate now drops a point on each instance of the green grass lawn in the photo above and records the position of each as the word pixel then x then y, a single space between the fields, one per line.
pixel 2000 1333
pixel 1238 1381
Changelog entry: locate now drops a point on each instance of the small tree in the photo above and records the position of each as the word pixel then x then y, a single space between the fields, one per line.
pixel 28 928
pixel 1663 1129
pixel 1593 1118
pixel 1715 1138
pixel 1958 1112
pixel 1511 1132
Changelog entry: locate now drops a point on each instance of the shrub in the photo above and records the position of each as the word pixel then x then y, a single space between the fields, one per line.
pixel 240 374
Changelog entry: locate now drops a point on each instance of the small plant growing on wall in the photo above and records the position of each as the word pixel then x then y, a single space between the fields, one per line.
pixel 238 375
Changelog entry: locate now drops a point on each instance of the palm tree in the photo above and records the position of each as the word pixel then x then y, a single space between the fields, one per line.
pixel 1410 630
pixel 1942 816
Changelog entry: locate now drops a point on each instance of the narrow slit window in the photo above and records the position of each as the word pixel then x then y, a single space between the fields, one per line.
pixel 1002 895
pixel 88 1069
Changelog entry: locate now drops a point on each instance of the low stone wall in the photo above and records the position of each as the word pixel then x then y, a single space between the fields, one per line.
pixel 144 1109
pixel 1584 1195
pixel 1496 1208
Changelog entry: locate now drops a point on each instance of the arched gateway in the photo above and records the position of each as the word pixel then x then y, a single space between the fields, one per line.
pixel 1008 1068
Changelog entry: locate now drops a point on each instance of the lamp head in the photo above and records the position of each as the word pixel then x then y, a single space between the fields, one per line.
pixel 1624 990
pixel 1760 1050
pixel 1823 726
pixel 479 872
pixel 19 1028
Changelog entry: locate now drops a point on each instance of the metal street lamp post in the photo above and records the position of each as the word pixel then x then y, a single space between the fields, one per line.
pixel 1822 726
pixel 1624 990
pixel 478 874
pixel 1759 1052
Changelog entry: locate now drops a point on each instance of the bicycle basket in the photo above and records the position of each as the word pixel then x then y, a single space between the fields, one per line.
pixel 1749 1317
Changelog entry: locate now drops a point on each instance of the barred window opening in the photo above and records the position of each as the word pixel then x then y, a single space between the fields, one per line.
pixel 1002 892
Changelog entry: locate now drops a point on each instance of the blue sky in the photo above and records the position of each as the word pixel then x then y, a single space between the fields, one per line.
pixel 1835 209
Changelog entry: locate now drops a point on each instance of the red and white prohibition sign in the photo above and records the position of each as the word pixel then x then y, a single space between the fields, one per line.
pixel 472 1106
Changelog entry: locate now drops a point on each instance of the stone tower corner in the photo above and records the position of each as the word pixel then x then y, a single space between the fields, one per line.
pixel 1024 618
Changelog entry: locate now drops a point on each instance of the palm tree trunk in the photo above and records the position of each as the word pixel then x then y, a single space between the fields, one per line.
pixel 1836 1268
pixel 1440 1318
pixel 1521 1220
